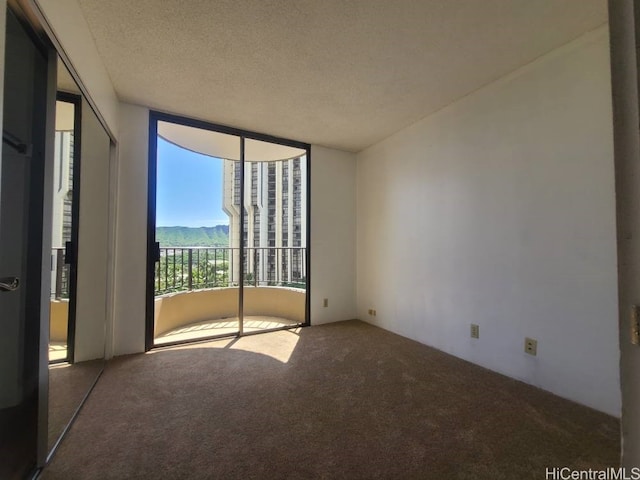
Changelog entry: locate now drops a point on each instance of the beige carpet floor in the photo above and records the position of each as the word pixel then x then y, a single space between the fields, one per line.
pixel 345 400
pixel 68 385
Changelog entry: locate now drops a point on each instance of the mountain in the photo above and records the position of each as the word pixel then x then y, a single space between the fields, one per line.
pixel 217 236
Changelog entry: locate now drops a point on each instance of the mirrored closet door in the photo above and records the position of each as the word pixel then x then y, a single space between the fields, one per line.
pixel 80 206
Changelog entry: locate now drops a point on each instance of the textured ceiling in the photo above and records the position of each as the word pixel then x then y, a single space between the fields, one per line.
pixel 337 73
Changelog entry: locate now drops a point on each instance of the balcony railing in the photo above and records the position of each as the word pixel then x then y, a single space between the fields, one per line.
pixel 59 275
pixel 195 268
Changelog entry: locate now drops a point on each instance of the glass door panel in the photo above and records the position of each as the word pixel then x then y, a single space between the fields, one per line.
pixel 197 230
pixel 275 196
pixel 62 249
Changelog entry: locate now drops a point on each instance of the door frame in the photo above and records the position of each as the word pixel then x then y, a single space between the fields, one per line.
pixel 76 100
pixel 154 118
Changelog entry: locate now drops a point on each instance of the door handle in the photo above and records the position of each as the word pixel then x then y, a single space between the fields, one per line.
pixel 156 251
pixel 9 284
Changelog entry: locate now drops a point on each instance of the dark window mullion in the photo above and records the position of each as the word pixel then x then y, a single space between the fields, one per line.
pixel 242 232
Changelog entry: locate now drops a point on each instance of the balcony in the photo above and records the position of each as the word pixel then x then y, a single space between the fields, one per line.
pixel 197 291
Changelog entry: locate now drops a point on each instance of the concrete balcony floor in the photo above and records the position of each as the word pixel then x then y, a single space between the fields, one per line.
pixel 57 351
pixel 196 314
pixel 226 326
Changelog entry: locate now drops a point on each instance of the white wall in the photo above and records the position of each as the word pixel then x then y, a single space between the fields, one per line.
pixel 131 231
pixel 333 233
pixel 499 210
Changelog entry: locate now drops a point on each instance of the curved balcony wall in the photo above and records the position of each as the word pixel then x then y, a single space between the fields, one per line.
pixel 58 320
pixel 177 310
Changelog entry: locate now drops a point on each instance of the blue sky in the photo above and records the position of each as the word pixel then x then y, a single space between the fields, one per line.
pixel 189 188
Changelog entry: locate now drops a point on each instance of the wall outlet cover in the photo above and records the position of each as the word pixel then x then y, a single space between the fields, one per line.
pixel 475 331
pixel 531 346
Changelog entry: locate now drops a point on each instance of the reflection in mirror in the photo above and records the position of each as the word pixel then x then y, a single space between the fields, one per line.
pixel 62 227
pixel 78 256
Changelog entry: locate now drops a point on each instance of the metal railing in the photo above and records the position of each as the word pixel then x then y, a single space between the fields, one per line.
pixel 59 275
pixel 195 268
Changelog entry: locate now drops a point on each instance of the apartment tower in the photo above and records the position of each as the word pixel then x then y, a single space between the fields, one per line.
pixel 275 231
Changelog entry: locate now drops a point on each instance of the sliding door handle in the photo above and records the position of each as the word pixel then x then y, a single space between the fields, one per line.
pixel 9 284
pixel 156 252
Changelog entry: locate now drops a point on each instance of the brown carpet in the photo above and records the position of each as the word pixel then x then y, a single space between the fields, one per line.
pixel 348 400
pixel 68 385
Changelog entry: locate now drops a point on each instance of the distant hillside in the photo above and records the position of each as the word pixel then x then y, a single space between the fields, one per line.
pixel 217 236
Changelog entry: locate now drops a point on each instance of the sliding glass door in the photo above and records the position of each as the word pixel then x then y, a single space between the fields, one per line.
pixel 197 269
pixel 274 236
pixel 227 232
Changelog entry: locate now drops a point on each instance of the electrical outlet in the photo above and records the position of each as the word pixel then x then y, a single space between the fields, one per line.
pixel 475 331
pixel 371 312
pixel 531 346
pixel 326 303
pixel 374 313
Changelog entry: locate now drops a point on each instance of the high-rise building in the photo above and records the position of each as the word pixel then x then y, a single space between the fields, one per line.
pixel 275 232
pixel 61 213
